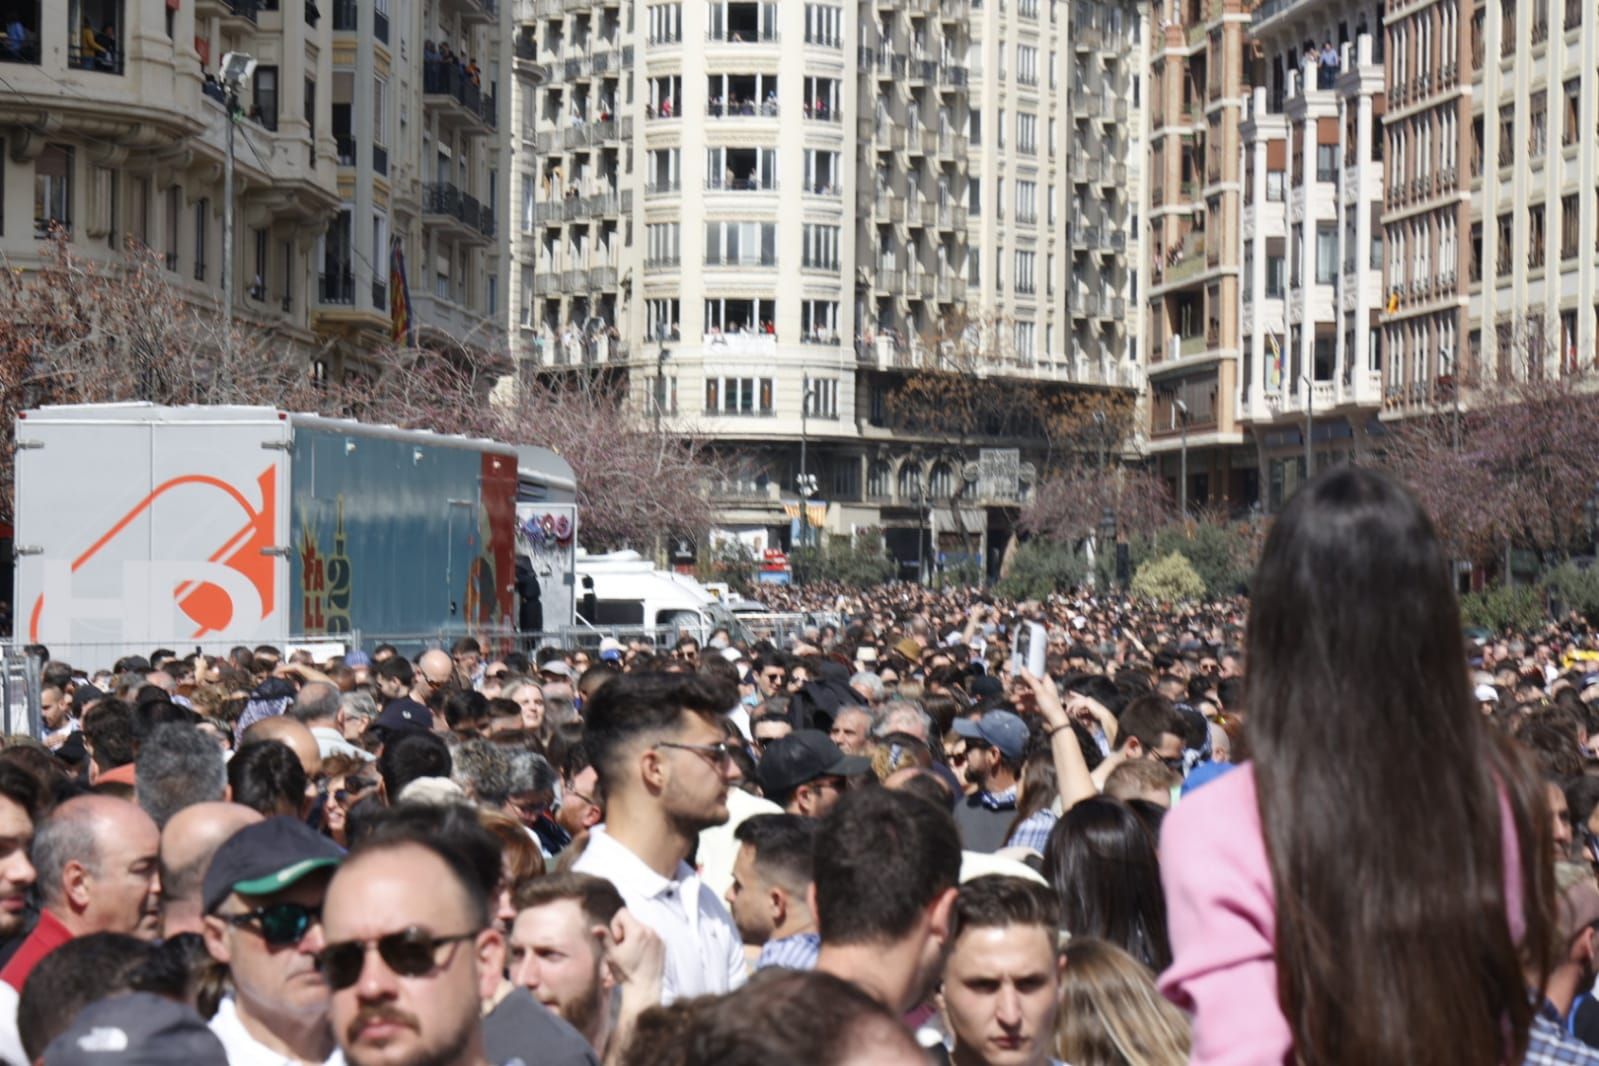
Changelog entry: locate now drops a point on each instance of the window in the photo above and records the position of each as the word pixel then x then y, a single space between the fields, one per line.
pixel 661 245
pixel 1506 235
pixel 1049 204
pixel 1326 162
pixel 1275 181
pixel 974 197
pixel 819 322
pixel 733 315
pixel 821 397
pixel 1535 235
pixel 1026 349
pixel 52 190
pixel 823 175
pixel 1026 64
pixel 661 318
pixel 1026 201
pixel 879 475
pixel 738 396
pixel 1326 252
pixel 1024 273
pixel 173 206
pixel 821 247
pixel 1026 133
pixel 259 262
pixel 264 97
pixel 202 217
pixel 665 23
pixel 824 25
pixel 999 126
pixel 1276 273
pixel 740 243
pixel 1569 219
pixel 974 128
pixel 1569 132
pixel 1538 123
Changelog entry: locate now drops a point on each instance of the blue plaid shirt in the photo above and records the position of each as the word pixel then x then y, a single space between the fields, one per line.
pixel 1033 832
pixel 1548 1043
pixel 797 952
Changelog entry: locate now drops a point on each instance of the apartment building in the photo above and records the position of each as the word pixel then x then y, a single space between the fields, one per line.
pixel 1312 238
pixel 1055 138
pixel 766 217
pixel 125 140
pixel 421 150
pixel 1514 260
pixel 1197 93
pixel 348 137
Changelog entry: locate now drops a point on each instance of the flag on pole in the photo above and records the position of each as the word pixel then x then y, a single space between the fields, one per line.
pixel 1275 378
pixel 402 327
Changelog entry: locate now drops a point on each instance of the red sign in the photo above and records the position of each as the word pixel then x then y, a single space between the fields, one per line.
pixel 774 560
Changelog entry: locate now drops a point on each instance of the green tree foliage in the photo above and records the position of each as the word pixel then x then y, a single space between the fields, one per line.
pixel 1040 567
pixel 859 562
pixel 1500 608
pixel 1575 589
pixel 1220 554
pixel 1169 578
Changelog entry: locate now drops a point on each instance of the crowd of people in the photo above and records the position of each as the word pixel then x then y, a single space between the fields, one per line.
pixel 1324 825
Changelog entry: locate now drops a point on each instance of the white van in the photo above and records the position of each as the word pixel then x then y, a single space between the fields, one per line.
pixel 624 591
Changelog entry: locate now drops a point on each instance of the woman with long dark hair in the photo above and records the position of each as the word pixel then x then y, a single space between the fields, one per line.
pixel 1376 886
pixel 1101 860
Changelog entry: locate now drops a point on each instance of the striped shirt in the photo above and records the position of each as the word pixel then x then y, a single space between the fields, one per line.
pixel 797 952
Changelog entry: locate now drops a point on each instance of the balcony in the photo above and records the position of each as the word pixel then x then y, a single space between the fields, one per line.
pixel 952 216
pixel 951 146
pixel 447 88
pixel 603 277
pixel 241 15
pixel 916 215
pixel 664 187
pixel 888 282
pixel 483 12
pixel 951 290
pixel 888 208
pixel 725 35
pixel 915 138
pixel 447 207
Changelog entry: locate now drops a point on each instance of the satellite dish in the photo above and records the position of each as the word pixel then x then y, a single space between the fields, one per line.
pixel 1027 473
pixel 971 471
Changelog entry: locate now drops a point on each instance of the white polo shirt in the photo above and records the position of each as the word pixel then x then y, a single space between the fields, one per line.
pixel 244 1049
pixel 704 954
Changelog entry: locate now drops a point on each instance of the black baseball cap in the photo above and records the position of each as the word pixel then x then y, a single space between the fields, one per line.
pixel 267 857
pixel 136 1029
pixel 802 756
pixel 404 714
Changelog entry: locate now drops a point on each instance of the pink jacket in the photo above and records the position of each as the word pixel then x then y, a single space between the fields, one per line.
pixel 1221 914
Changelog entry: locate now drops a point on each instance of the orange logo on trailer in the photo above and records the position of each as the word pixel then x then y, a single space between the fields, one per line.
pixel 207 605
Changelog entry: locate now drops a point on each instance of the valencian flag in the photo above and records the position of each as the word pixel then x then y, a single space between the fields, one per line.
pixel 401 325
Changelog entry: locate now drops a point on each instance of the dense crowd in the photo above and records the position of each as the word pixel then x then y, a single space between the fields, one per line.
pixel 886 841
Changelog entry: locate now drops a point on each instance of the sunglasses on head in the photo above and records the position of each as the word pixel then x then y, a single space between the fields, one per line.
pixel 280 924
pixel 411 952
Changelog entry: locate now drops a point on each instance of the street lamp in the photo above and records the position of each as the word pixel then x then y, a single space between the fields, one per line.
pixel 1107 537
pixel 237 68
pixel 805 481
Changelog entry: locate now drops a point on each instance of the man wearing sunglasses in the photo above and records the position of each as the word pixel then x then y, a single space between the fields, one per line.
pixel 660 750
pixel 410 955
pixel 805 773
pixel 996 743
pixel 263 902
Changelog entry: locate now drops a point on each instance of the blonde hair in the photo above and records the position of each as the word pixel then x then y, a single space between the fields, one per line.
pixel 1111 1013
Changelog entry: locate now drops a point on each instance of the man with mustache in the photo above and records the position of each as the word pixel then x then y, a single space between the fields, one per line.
pixel 263 905
pixel 410 954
